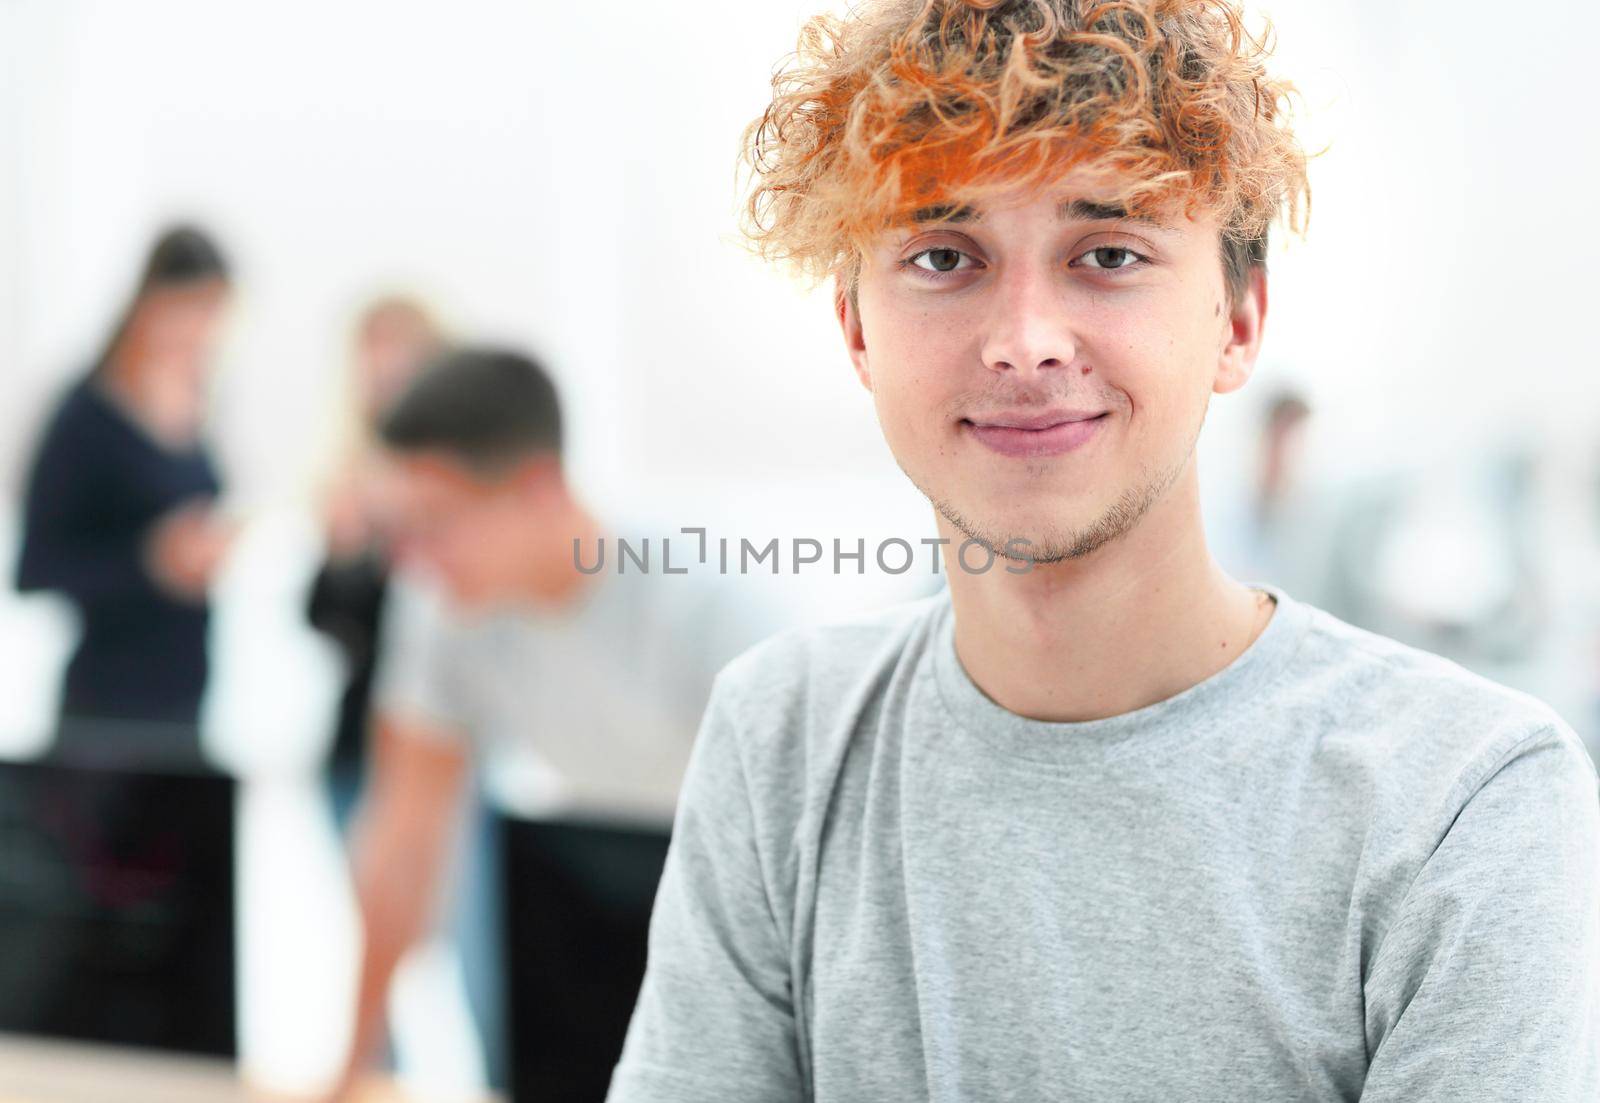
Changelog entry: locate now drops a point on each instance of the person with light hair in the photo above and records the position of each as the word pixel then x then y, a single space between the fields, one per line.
pixel 1100 821
pixel 394 335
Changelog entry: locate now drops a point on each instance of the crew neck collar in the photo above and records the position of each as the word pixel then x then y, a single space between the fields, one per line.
pixel 1047 740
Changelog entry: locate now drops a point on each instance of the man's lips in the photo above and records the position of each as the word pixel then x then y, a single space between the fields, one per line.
pixel 1036 434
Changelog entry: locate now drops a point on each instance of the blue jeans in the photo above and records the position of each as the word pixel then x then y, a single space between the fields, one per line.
pixel 475 924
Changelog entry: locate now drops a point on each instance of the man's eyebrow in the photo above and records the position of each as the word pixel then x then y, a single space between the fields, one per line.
pixel 1089 211
pixel 1081 209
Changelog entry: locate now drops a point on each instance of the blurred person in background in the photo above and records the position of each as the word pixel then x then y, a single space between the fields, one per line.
pixel 1281 441
pixel 1447 557
pixel 394 335
pixel 579 692
pixel 1275 523
pixel 120 514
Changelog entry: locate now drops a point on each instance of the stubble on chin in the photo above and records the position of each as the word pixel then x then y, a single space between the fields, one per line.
pixel 1046 541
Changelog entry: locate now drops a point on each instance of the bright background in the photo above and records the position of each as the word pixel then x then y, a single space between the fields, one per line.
pixel 561 176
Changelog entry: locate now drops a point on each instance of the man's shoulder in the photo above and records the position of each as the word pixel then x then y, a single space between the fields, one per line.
pixel 820 668
pixel 420 616
pixel 793 702
pixel 1412 748
pixel 418 598
pixel 1429 726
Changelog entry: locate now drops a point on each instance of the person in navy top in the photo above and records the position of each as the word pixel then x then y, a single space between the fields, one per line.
pixel 119 512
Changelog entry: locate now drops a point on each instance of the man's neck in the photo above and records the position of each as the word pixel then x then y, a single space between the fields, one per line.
pixel 555 584
pixel 1138 620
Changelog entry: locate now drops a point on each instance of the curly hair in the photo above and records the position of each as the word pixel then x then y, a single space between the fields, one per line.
pixel 908 106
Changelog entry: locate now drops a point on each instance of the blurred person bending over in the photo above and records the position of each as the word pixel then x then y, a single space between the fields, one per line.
pixel 579 693
pixel 120 515
pixel 394 335
pixel 1101 822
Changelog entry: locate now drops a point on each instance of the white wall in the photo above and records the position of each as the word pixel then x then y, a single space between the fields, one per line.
pixel 561 175
pixel 1443 294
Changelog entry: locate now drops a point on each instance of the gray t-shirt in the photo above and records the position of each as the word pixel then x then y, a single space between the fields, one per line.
pixel 1339 868
pixel 584 714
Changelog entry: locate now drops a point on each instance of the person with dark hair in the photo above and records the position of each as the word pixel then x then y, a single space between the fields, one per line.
pixel 119 513
pixel 580 690
pixel 491 407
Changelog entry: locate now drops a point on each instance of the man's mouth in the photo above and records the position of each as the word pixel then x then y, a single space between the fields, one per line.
pixel 1028 434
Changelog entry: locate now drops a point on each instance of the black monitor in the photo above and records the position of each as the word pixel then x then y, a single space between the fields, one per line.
pixel 576 923
pixel 117 903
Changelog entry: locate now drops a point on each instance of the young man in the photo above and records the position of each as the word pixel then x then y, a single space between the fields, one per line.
pixel 580 690
pixel 1102 822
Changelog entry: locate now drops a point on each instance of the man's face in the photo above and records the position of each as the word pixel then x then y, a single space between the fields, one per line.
pixel 476 535
pixel 1042 374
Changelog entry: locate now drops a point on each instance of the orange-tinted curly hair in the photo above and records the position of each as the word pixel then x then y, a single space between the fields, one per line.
pixel 906 105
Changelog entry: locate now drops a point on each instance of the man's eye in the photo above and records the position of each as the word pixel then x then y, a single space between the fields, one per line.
pixel 1110 256
pixel 940 260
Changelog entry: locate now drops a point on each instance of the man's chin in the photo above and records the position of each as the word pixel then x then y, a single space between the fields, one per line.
pixel 1033 537
pixel 1046 523
pixel 471 600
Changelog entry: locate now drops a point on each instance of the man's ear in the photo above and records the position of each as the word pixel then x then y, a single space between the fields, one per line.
pixel 850 324
pixel 1242 338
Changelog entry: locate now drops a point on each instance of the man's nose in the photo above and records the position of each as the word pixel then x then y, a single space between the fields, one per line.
pixel 1029 329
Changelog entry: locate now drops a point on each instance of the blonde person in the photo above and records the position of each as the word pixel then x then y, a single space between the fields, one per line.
pixel 394 335
pixel 1101 822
